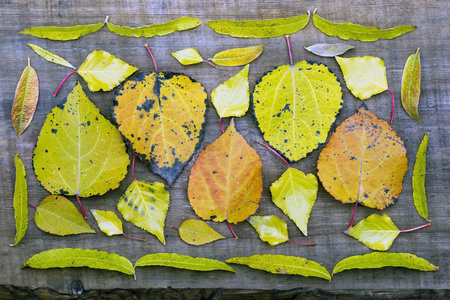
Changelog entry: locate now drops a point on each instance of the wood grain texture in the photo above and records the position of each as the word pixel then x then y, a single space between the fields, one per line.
pixel 329 218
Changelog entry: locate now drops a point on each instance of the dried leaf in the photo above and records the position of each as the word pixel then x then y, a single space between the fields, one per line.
pixel 280 264
pixel 188 56
pixel 108 222
pixel 329 50
pixel 271 229
pixel 237 57
pixel 62 33
pixel 411 85
pixel 25 99
pixel 47 55
pixel 197 232
pixel 418 180
pixel 20 200
pixel 259 29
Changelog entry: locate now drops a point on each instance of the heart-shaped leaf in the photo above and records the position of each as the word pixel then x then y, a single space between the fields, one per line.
pixel 196 232
pixel 237 57
pixel 20 200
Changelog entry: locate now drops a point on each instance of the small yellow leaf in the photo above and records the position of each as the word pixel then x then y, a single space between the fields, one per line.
pixel 47 55
pixel 238 56
pixel 20 201
pixel 418 180
pixel 271 229
pixel 196 232
pixel 108 222
pixel 411 85
pixel 188 56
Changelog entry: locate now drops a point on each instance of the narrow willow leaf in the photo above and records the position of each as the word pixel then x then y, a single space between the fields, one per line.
pixel 188 56
pixel 329 50
pixel 73 257
pixel 271 229
pixel 179 24
pixel 348 31
pixel 376 260
pixel 20 200
pixel 418 180
pixel 411 85
pixel 175 260
pixel 237 57
pixel 62 33
pixel 259 29
pixel 47 55
pixel 25 100
pixel 108 222
pixel 196 232
pixel 280 264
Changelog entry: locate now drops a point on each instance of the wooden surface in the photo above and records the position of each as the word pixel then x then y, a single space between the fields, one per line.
pixel 329 217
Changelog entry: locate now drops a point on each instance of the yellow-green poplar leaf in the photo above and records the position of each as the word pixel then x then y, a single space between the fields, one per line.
pixel 196 232
pixel 175 260
pixel 418 180
pixel 47 55
pixel 271 229
pixel 411 85
pixel 79 152
pixel 148 31
pixel 20 200
pixel 259 29
pixel 295 194
pixel 376 260
pixel 232 98
pixel 188 56
pixel 237 57
pixel 108 222
pixel 73 257
pixel 281 264
pixel 329 50
pixel 25 99
pixel 57 215
pixel 352 31
pixel 295 106
pixel 145 205
pixel 62 33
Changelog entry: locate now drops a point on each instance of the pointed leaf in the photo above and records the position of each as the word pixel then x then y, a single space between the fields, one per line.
pixel 259 29
pixel 25 99
pixel 62 33
pixel 296 106
pixel 73 257
pixel 271 229
pixel 179 24
pixel 197 232
pixel 47 55
pixel 20 200
pixel 364 161
pixel 232 98
pixel 237 57
pixel 329 50
pixel 188 56
pixel 280 264
pixel 161 115
pixel 108 222
pixel 348 31
pixel 411 85
pixel 78 151
pixel 376 260
pixel 295 194
pixel 145 205
pixel 225 182
pixel 418 180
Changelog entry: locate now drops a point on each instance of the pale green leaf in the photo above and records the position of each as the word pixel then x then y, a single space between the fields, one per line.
pixel 145 205
pixel 188 56
pixel 259 29
pixel 175 260
pixel 232 98
pixel 238 56
pixel 376 260
pixel 295 194
pixel 47 55
pixel 196 232
pixel 418 180
pixel 329 50
pixel 20 200
pixel 62 33
pixel 271 229
pixel 281 264
pixel 108 222
pixel 411 85
pixel 73 257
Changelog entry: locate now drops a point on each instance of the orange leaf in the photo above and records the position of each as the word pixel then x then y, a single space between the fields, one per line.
pixel 225 181
pixel 364 161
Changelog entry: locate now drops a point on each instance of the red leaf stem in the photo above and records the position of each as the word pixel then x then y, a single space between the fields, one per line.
pixel 81 206
pixel 304 244
pixel 276 153
pixel 210 63
pixel 67 77
pixel 134 238
pixel 289 48
pixel 412 229
pixel 151 55
pixel 231 229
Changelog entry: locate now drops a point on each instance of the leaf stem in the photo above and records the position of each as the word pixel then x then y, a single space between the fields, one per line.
pixel 81 206
pixel 276 153
pixel 134 238
pixel 175 227
pixel 64 80
pixel 151 55
pixel 353 216
pixel 393 105
pixel 220 123
pixel 289 48
pixel 132 167
pixel 210 63
pixel 32 205
pixel 412 229
pixel 305 244
pixel 231 229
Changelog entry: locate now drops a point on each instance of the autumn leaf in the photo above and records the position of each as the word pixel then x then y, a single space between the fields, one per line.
pixel 238 56
pixel 62 33
pixel 47 55
pixel 190 56
pixel 109 223
pixel 196 232
pixel 161 116
pixel 329 50
pixel 25 99
pixel 271 229
pixel 418 180
pixel 411 85
pixel 20 200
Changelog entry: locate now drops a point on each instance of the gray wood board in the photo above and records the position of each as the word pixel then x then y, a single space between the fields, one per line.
pixel 329 217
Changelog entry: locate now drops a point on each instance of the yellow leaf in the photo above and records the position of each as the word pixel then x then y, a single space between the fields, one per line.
pixel 63 33
pixel 108 222
pixel 271 229
pixel 411 85
pixel 20 200
pixel 47 55
pixel 188 56
pixel 197 232
pixel 238 56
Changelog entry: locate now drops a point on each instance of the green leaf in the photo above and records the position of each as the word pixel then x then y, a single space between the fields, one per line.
pixel 259 29
pixel 78 151
pixel 418 180
pixel 271 229
pixel 196 232
pixel 237 57
pixel 232 98
pixel 296 106
pixel 108 222
pixel 175 260
pixel 47 55
pixel 145 205
pixel 20 200
pixel 179 24
pixel 376 260
pixel 295 194
pixel 329 50
pixel 280 264
pixel 188 56
pixel 62 33
pixel 348 31
pixel 73 257
pixel 411 85
pixel 57 215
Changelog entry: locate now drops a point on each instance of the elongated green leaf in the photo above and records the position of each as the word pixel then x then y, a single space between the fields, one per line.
pixel 237 57
pixel 73 257
pixel 411 85
pixel 418 180
pixel 175 260
pixel 329 50
pixel 271 229
pixel 62 33
pixel 376 260
pixel 348 31
pixel 280 264
pixel 47 55
pixel 108 222
pixel 179 24
pixel 196 232
pixel 259 29
pixel 188 56
pixel 20 201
